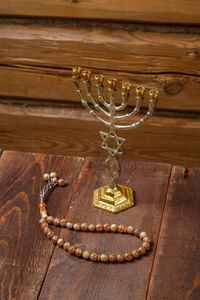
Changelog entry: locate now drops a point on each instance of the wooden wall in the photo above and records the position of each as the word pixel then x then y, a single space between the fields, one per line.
pixel 39 109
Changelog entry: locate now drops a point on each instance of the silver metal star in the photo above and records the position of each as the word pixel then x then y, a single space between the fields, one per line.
pixel 119 143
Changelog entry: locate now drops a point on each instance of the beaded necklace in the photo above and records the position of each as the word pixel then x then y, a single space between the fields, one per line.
pixel 45 221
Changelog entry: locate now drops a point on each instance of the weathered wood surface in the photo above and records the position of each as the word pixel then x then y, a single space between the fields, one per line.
pixel 83 280
pixel 97 47
pixel 185 11
pixel 36 61
pixel 178 252
pixel 177 92
pixel 168 208
pixel 24 254
pixel 72 131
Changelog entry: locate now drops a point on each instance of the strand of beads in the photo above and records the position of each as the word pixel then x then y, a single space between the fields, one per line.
pixel 45 221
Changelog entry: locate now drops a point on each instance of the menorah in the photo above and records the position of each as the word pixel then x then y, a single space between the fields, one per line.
pixel 112 197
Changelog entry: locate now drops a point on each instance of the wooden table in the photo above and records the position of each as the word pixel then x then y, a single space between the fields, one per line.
pixel 167 207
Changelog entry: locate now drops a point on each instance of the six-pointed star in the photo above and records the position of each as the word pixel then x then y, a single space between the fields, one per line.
pixel 119 141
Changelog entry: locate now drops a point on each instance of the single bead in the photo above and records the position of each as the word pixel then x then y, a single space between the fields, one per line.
pixel 135 253
pixel 77 226
pixel 142 250
pixel 142 235
pixel 60 242
pixel 43 214
pixel 50 219
pixel 50 234
pixel 93 256
pixel 54 180
pixel 91 227
pixel 53 174
pixel 46 230
pixel 112 257
pixel 146 245
pixel 71 250
pixel 69 225
pixel 63 222
pixel 130 229
pixel 113 227
pixel 43 209
pixel 86 254
pixel 44 225
pixel 104 258
pixel 137 232
pixel 46 177
pixel 61 182
pixel 56 221
pixel 98 257
pixel 121 228
pixel 66 245
pixel 54 239
pixel 106 227
pixel 84 227
pixel 78 252
pixel 147 239
pixel 99 227
pixel 120 258
pixel 41 205
pixel 41 221
pixel 128 256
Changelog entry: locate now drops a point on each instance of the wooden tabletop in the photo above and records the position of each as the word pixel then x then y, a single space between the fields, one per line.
pixel 167 207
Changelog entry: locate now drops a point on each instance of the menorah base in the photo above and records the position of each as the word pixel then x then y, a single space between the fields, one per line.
pixel 113 200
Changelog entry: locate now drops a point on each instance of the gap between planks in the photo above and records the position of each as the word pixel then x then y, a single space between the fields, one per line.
pixel 158 235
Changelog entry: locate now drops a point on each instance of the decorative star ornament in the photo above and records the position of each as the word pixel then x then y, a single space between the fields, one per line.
pixel 119 143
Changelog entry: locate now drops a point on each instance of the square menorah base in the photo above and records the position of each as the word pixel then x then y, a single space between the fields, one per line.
pixel 113 200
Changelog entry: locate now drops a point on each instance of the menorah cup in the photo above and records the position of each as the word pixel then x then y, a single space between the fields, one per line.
pixel 112 197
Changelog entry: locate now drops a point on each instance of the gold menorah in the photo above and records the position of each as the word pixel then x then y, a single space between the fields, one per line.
pixel 113 197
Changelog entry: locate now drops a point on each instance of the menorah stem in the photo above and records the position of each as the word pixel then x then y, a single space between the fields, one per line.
pixel 113 175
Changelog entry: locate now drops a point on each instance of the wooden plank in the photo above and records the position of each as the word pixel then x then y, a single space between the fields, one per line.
pixel 185 11
pixel 176 268
pixel 71 278
pixel 177 92
pixel 73 131
pixel 24 255
pixel 127 49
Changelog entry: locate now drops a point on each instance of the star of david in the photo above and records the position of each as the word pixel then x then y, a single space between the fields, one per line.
pixel 119 142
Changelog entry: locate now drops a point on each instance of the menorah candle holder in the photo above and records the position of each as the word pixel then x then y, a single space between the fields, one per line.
pixel 112 197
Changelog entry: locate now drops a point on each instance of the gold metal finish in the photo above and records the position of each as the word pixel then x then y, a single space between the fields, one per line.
pixel 153 94
pixel 113 197
pixel 86 75
pixel 99 79
pixel 112 82
pixel 113 200
pixel 126 86
pixel 76 72
pixel 140 92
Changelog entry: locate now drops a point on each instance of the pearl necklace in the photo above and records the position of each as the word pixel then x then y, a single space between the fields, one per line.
pixel 45 221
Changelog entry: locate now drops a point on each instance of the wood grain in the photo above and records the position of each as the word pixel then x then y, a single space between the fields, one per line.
pixel 75 132
pixel 177 92
pixel 178 248
pixel 99 47
pixel 185 11
pixel 71 278
pixel 24 252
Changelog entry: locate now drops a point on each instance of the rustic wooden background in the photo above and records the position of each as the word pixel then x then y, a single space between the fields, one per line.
pixel 167 207
pixel 154 43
